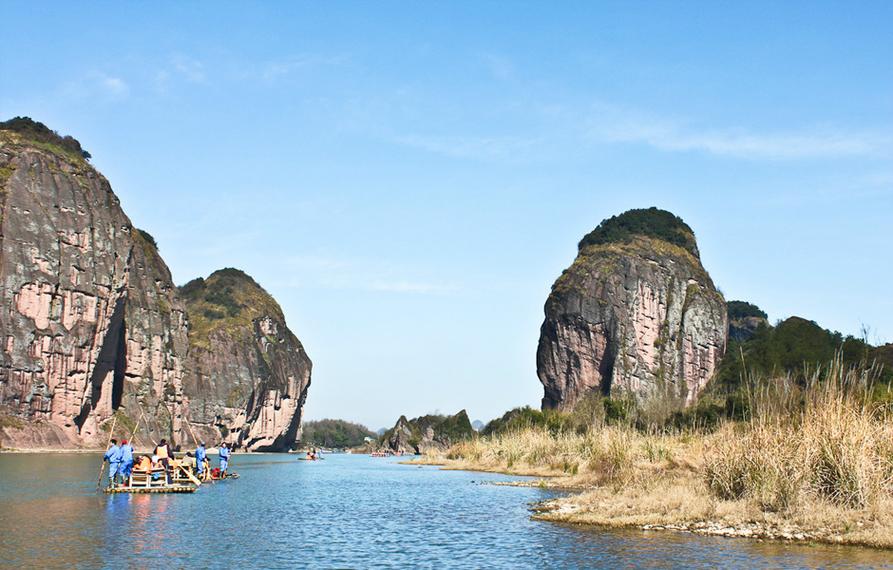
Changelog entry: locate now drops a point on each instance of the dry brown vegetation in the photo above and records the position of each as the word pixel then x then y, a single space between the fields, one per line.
pixel 813 462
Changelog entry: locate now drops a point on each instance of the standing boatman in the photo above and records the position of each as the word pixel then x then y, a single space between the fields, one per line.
pixel 200 455
pixel 113 456
pixel 224 459
pixel 126 460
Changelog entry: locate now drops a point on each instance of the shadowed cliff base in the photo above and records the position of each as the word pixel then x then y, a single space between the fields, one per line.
pixel 812 462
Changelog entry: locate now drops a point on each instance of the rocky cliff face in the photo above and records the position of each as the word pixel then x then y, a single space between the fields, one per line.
pixel 635 314
pixel 427 433
pixel 248 374
pixel 92 325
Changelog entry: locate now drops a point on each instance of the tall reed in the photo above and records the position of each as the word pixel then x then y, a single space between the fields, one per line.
pixel 822 438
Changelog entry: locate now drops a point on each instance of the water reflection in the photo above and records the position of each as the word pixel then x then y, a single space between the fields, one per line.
pixel 342 512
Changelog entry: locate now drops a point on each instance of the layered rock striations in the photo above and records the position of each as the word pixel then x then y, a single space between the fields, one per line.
pixel 636 314
pixel 92 325
pixel 248 373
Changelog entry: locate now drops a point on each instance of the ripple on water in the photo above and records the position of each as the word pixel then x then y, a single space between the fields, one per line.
pixel 346 511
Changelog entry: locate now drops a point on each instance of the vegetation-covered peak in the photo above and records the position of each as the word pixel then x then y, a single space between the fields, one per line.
pixel 452 428
pixel 44 137
pixel 146 236
pixel 792 347
pixel 743 309
pixel 335 433
pixel 228 299
pixel 649 222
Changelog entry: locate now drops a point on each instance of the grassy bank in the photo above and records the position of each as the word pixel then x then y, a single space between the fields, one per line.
pixel 814 461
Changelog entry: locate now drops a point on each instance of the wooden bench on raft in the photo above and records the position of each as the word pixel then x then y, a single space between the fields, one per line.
pixel 181 473
pixel 151 478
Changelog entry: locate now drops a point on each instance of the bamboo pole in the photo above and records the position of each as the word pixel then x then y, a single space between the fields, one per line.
pixel 102 465
pixel 190 475
pixel 192 433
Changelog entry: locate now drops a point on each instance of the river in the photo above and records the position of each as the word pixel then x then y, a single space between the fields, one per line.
pixel 344 512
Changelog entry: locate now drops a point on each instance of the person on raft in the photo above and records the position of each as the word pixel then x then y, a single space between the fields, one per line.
pixel 126 461
pixel 144 463
pixel 224 459
pixel 200 455
pixel 113 456
pixel 163 453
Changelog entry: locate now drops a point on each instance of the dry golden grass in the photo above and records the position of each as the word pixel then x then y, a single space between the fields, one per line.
pixel 814 463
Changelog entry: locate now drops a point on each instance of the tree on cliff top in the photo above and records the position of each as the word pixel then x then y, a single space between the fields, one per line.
pixel 743 309
pixel 649 222
pixel 38 132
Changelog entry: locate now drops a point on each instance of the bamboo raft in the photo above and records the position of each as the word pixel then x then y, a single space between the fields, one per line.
pixel 156 481
pixel 156 489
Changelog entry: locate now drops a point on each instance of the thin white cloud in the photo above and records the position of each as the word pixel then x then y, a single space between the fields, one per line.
pixel 330 272
pixel 274 70
pixel 96 84
pixel 190 69
pixel 481 148
pixel 410 287
pixel 615 125
pixel 114 86
pixel 578 129
pixel 500 67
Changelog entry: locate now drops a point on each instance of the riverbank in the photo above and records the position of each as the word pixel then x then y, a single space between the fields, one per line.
pixel 627 480
pixel 813 464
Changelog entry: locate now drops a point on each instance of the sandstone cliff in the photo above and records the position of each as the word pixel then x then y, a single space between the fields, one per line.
pixel 92 325
pixel 427 433
pixel 248 373
pixel 635 314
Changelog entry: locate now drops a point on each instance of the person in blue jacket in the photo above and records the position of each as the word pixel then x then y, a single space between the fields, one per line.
pixel 126 460
pixel 224 459
pixel 200 455
pixel 113 456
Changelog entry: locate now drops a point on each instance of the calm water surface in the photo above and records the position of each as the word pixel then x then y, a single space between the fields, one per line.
pixel 344 512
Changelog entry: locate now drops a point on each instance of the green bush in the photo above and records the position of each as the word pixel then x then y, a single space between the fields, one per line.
pixel 743 309
pixel 650 222
pixel 37 131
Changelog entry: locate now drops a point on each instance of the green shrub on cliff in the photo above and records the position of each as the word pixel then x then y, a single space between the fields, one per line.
pixel 650 222
pixel 743 309
pixel 228 299
pixel 37 132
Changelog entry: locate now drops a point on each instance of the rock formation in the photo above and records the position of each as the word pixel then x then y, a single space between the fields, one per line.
pixel 636 314
pixel 248 373
pixel 92 324
pixel 427 433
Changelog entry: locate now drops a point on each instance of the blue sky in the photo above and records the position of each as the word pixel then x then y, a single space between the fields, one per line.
pixel 408 180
